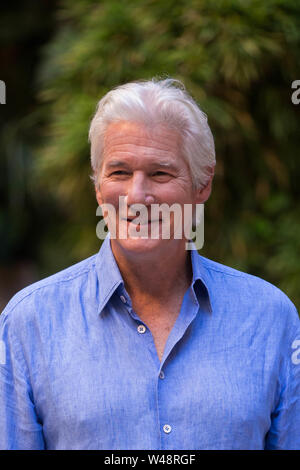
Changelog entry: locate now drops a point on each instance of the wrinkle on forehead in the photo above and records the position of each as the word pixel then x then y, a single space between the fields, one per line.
pixel 122 137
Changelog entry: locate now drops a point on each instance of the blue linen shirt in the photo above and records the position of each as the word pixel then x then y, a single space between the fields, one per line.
pixel 79 369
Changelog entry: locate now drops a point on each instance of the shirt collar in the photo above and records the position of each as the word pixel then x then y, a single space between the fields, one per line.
pixel 110 278
pixel 200 283
pixel 108 273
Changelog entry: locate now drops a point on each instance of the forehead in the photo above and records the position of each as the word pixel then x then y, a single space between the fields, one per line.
pixel 127 140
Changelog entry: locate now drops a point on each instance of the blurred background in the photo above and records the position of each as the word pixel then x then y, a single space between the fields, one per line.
pixel 238 58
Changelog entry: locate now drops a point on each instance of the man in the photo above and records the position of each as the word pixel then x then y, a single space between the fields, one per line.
pixel 148 345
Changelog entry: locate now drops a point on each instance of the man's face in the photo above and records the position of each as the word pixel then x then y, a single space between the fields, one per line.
pixel 146 166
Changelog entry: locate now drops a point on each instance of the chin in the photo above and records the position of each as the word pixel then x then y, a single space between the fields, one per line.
pixel 140 246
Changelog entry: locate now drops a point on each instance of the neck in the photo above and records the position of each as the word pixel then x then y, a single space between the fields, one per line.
pixel 155 275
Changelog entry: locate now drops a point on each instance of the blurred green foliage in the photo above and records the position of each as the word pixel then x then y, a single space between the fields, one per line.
pixel 238 59
pixel 25 25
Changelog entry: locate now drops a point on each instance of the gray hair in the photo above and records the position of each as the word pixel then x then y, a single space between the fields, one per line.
pixel 157 102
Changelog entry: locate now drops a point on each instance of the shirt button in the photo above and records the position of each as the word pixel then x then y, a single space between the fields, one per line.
pixel 123 299
pixel 141 328
pixel 161 375
pixel 167 428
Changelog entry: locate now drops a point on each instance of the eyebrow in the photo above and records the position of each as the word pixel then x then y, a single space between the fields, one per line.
pixel 114 163
pixel 159 164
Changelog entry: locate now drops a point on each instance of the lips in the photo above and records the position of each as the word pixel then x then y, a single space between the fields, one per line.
pixel 140 222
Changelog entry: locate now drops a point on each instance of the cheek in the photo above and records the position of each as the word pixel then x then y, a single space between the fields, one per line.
pixel 110 193
pixel 177 193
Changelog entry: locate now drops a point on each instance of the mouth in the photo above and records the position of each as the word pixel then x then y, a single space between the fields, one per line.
pixel 134 221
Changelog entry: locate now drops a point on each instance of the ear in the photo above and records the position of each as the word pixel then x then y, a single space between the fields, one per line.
pixel 203 194
pixel 98 195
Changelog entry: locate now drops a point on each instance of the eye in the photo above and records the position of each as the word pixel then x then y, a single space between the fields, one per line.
pixel 161 175
pixel 119 173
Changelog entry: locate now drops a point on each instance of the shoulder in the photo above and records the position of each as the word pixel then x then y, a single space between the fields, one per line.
pixel 249 291
pixel 23 303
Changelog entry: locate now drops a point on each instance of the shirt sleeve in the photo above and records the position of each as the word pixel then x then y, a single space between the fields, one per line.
pixel 284 433
pixel 20 428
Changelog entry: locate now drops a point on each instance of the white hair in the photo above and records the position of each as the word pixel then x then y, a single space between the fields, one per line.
pixel 157 102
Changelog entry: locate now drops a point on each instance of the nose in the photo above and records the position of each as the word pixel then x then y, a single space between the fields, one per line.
pixel 138 190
